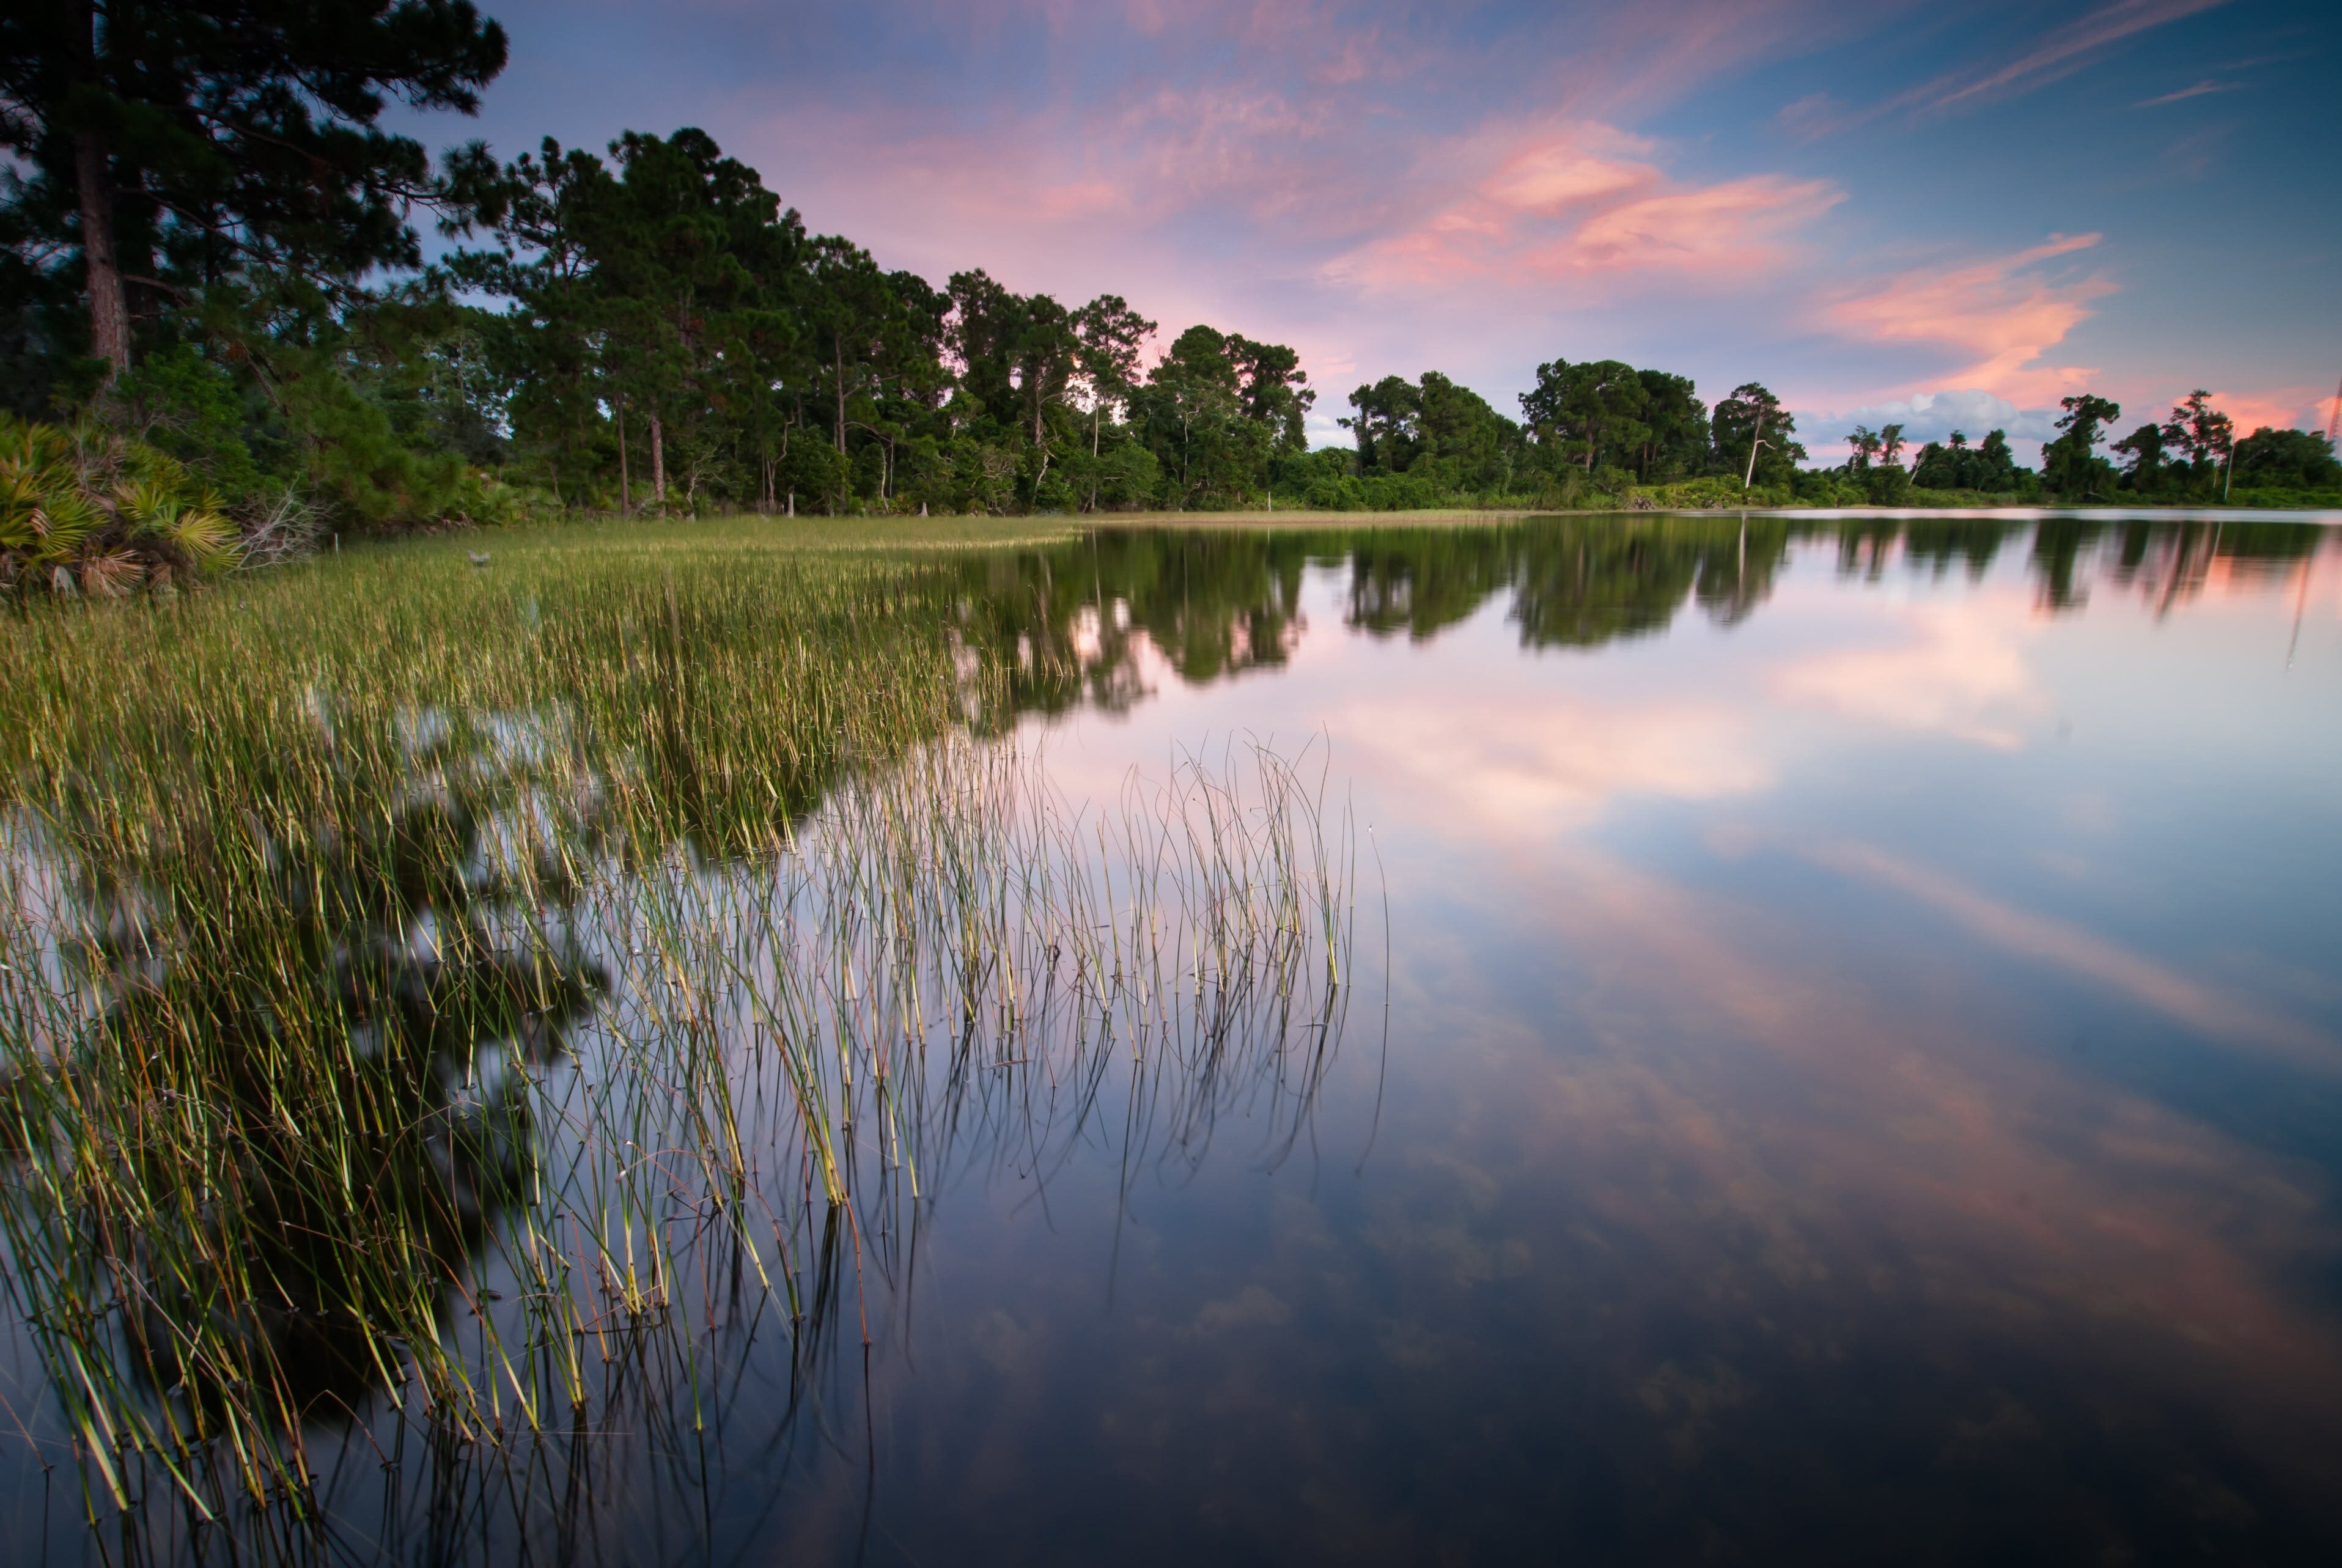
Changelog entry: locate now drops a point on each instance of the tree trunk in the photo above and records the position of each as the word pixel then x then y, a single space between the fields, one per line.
pixel 625 486
pixel 837 363
pixel 109 312
pixel 658 464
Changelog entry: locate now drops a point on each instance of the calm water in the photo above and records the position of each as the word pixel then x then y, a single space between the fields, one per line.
pixel 1857 1076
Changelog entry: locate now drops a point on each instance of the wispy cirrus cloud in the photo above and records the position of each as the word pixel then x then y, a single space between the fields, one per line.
pixel 2000 316
pixel 2061 944
pixel 2200 89
pixel 2050 57
pixel 2057 54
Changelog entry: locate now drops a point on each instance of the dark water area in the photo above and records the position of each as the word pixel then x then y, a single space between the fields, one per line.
pixel 1854 1073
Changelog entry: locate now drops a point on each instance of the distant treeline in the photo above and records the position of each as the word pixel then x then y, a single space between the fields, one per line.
pixel 2192 457
pixel 211 247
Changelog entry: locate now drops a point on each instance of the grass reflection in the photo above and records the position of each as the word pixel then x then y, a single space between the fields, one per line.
pixel 460 1016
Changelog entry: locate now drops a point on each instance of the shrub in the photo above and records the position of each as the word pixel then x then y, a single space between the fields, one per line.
pixel 85 510
pixel 1889 484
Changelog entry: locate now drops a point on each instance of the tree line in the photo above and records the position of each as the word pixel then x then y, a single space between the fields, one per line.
pixel 213 245
pixel 2194 454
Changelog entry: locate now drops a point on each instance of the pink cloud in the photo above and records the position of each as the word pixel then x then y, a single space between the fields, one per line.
pixel 1581 164
pixel 1251 162
pixel 2003 311
pixel 1960 671
pixel 1739 225
pixel 1584 198
pixel 2279 407
pixel 1505 778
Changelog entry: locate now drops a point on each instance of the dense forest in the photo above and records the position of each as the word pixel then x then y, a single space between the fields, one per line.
pixel 216 282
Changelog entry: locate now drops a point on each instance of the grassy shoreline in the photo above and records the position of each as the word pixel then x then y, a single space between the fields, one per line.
pixel 913 538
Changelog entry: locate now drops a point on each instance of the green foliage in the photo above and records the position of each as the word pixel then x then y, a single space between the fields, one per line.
pixel 356 459
pixel 1195 415
pixel 2144 471
pixel 213 137
pixel 82 509
pixel 1989 469
pixel 1887 484
pixel 1678 443
pixel 2288 459
pixel 1601 413
pixel 2194 456
pixel 2200 435
pixel 1827 488
pixel 812 473
pixel 665 338
pixel 1583 414
pixel 2071 465
pixel 1712 492
pixel 1751 434
pixel 182 403
pixel 1443 435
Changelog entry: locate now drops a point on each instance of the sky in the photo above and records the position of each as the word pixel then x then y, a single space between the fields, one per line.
pixel 1944 215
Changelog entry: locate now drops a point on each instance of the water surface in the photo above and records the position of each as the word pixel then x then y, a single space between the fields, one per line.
pixel 1855 1074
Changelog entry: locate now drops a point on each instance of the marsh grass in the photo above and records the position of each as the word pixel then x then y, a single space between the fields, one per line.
pixel 483 994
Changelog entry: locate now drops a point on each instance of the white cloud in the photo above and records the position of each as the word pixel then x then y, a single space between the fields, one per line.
pixel 1932 417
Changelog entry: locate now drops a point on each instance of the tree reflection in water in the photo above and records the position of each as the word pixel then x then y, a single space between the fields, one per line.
pixel 1213 603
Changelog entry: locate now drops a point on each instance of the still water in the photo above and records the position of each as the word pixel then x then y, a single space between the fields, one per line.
pixel 1842 1061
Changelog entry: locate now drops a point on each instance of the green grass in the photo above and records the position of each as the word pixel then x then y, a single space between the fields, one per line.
pixel 436 986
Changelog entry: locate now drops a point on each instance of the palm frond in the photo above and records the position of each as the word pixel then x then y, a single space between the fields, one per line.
pixel 206 537
pixel 111 575
pixel 147 508
pixel 84 510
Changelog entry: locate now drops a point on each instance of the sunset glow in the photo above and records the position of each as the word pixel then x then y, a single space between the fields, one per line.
pixel 1888 206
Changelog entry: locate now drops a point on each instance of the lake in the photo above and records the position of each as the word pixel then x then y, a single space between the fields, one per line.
pixel 1822 1041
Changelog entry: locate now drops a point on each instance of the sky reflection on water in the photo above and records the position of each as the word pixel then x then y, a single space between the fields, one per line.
pixel 1863 1073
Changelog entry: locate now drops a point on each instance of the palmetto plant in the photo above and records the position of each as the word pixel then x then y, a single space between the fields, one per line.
pixel 83 510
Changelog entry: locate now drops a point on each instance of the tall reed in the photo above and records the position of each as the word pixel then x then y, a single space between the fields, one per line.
pixel 477 994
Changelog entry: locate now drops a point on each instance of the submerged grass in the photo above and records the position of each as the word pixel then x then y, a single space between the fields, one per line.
pixel 470 990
